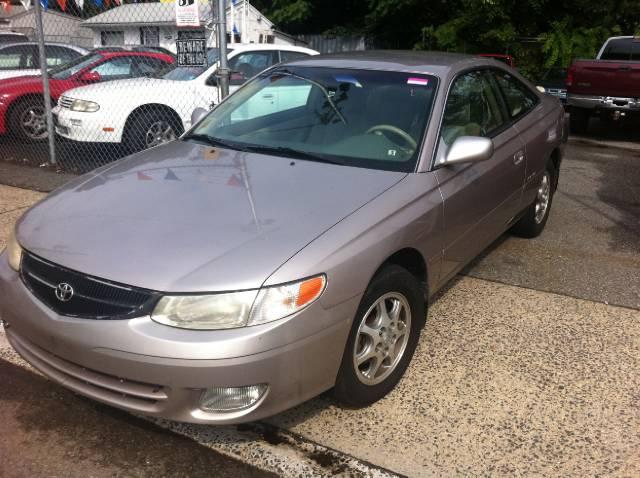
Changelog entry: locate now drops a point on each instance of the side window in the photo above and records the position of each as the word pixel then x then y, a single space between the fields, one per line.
pixel 11 58
pixel 291 55
pixel 520 99
pixel 115 68
pixel 250 63
pixel 57 55
pixel 472 109
pixel 147 65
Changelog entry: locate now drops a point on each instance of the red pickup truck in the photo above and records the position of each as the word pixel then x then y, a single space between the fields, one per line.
pixel 608 86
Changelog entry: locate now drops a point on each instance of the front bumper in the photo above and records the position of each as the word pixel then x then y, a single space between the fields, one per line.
pixel 612 103
pixel 85 127
pixel 121 362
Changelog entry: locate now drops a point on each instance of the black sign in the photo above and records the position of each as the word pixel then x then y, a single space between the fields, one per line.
pixel 192 48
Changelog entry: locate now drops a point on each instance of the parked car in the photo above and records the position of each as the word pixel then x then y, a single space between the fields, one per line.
pixel 21 59
pixel 12 37
pixel 280 249
pixel 554 83
pixel 608 86
pixel 22 108
pixel 159 110
pixel 506 59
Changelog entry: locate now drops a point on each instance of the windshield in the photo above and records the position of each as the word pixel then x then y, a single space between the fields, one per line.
pixel 371 119
pixel 72 67
pixel 186 73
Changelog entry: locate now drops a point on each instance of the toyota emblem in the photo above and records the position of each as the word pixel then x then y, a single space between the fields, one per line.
pixel 64 292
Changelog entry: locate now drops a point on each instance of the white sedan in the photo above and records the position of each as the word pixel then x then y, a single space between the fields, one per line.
pixel 146 112
pixel 23 59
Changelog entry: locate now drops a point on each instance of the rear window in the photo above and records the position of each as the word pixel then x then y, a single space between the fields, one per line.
pixel 622 49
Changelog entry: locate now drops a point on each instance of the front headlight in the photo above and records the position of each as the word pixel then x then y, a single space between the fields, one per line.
pixel 84 106
pixel 237 309
pixel 14 251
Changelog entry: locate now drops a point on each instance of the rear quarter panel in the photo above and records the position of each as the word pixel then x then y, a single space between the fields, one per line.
pixel 542 131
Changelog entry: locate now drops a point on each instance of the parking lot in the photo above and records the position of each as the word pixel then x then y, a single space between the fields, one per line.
pixel 529 364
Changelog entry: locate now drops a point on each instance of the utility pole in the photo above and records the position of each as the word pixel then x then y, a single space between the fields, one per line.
pixel 45 83
pixel 223 70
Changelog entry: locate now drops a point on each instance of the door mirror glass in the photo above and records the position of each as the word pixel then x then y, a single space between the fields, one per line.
pixel 90 77
pixel 212 80
pixel 468 149
pixel 197 115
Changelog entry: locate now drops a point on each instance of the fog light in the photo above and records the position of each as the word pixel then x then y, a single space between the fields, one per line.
pixel 231 399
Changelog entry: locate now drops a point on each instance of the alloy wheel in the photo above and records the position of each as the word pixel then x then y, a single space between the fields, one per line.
pixel 382 338
pixel 34 123
pixel 158 133
pixel 543 197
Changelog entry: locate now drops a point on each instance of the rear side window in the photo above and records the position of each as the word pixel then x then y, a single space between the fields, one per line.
pixel 622 49
pixel 57 55
pixel 519 98
pixel 291 55
pixel 18 57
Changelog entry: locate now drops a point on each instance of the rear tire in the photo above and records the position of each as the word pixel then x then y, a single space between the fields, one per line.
pixel 579 120
pixel 536 215
pixel 381 345
pixel 27 121
pixel 149 129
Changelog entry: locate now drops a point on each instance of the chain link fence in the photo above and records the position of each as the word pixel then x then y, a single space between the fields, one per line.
pixel 122 80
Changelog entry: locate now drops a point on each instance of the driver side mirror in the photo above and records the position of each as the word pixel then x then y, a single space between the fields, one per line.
pixel 212 80
pixel 90 77
pixel 197 115
pixel 468 149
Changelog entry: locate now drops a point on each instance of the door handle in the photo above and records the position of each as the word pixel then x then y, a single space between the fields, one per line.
pixel 518 157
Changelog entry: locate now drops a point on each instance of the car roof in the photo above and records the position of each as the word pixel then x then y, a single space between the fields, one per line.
pixel 50 43
pixel 240 47
pixel 428 62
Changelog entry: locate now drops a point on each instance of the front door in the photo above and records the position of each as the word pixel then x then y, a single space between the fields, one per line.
pixel 479 198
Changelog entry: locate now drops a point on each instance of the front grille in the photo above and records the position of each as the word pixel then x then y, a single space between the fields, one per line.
pixel 65 101
pixel 89 297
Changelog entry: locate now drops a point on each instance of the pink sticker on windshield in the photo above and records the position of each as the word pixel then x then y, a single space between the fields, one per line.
pixel 418 81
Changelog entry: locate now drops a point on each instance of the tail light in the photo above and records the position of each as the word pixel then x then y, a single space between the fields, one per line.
pixel 570 74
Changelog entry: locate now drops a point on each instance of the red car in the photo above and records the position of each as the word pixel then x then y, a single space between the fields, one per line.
pixel 22 110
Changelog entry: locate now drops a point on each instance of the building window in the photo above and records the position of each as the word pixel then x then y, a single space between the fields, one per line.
pixel 266 38
pixel 112 38
pixel 150 36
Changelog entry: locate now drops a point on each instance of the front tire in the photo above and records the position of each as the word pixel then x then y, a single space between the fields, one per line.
pixel 535 217
pixel 150 129
pixel 383 337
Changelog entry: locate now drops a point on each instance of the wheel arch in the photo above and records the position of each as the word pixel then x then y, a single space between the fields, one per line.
pixel 152 107
pixel 556 160
pixel 21 99
pixel 414 262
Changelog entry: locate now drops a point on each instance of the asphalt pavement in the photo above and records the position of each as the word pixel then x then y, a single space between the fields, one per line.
pixel 529 365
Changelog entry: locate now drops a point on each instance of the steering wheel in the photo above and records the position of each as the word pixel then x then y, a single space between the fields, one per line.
pixel 394 129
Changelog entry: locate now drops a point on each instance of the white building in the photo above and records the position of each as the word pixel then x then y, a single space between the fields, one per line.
pixel 154 24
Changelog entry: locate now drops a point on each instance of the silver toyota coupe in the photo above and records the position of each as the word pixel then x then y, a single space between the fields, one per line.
pixel 288 243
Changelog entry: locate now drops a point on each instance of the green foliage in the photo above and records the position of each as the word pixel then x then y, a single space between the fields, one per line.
pixel 563 43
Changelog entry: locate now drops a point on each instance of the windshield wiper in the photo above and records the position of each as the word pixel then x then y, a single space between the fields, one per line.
pixel 290 153
pixel 319 85
pixel 213 141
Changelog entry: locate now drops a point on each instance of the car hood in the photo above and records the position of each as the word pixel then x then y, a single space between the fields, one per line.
pixel 189 218
pixel 107 90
